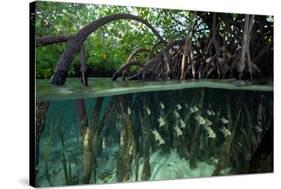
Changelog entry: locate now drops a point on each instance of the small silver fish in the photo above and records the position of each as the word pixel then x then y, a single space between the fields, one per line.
pixel 211 133
pixel 210 113
pixel 162 105
pixel 225 132
pixel 177 114
pixel 158 137
pixel 200 120
pixel 224 121
pixel 208 122
pixel 178 131
pixel 147 110
pixel 182 124
pixel 161 121
pixel 193 109
pixel 179 107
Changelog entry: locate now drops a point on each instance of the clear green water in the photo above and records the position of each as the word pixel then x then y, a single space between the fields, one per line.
pixel 153 130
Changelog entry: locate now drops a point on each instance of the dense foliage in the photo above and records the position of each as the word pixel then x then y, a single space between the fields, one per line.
pixel 108 48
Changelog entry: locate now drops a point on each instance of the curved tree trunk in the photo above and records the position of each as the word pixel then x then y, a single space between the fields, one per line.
pixel 73 46
pixel 128 63
pixel 43 41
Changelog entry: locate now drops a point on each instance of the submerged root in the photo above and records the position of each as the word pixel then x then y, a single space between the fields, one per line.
pixel 229 140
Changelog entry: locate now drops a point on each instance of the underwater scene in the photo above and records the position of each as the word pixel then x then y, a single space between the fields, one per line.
pixel 145 131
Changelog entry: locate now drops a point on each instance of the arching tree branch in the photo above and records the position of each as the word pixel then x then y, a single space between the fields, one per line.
pixel 73 46
pixel 128 63
pixel 43 41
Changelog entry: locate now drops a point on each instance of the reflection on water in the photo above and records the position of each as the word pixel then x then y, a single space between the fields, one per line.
pixel 170 134
pixel 99 87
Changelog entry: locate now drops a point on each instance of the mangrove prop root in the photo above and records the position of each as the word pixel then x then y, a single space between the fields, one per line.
pixel 137 130
pixel 83 117
pixel 98 134
pixel 129 62
pixel 204 57
pixel 88 159
pixel 47 151
pixel 196 139
pixel 41 113
pixel 127 144
pixel 66 168
pixel 229 141
pixel 89 151
pixel 146 144
pixel 187 52
pixel 245 59
pixel 83 67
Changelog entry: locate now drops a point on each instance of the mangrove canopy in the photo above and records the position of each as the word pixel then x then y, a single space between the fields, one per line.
pixel 80 40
